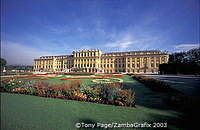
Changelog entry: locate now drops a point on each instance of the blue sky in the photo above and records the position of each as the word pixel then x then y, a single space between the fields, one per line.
pixel 31 28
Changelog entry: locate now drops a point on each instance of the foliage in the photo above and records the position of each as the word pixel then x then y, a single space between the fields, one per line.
pixel 8 84
pixel 180 68
pixel 31 90
pixel 112 93
pixel 187 62
pixel 20 67
pixel 3 63
pixel 191 56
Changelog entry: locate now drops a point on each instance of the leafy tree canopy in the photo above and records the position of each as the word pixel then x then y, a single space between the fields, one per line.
pixel 192 55
pixel 3 63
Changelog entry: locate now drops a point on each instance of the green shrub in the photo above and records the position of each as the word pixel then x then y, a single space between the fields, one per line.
pixel 8 84
pixel 31 90
pixel 109 94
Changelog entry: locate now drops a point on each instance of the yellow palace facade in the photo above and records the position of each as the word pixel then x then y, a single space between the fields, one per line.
pixel 96 61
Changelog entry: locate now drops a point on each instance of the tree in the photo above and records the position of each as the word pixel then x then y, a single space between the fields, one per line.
pixel 177 57
pixel 3 63
pixel 194 55
pixel 183 62
pixel 191 56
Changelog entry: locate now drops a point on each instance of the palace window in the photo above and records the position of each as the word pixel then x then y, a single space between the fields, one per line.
pixel 157 58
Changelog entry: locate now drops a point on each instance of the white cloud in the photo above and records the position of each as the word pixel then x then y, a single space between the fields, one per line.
pixel 185 47
pixel 122 42
pixel 18 54
pixel 129 42
pixel 120 45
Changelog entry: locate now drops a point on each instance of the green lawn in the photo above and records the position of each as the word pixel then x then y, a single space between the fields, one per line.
pixel 22 112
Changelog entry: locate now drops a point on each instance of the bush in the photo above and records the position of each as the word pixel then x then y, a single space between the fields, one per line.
pixel 31 90
pixel 126 97
pixel 8 84
pixel 180 68
pixel 114 94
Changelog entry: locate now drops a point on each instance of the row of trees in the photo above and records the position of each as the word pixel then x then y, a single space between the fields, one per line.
pixel 182 63
pixel 191 56
pixel 3 63
pixel 14 67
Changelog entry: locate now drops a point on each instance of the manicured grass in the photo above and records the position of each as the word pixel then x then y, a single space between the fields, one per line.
pixel 145 96
pixel 22 112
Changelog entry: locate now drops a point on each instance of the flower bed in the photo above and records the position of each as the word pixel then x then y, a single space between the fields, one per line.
pixel 112 93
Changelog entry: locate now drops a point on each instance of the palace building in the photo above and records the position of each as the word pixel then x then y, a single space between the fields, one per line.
pixel 96 61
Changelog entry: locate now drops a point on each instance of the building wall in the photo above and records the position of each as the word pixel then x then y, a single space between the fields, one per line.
pixel 95 61
pixel 87 60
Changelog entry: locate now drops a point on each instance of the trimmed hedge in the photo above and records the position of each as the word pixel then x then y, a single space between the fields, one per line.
pixel 180 68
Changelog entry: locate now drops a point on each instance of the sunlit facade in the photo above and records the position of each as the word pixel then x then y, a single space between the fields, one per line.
pixel 96 61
